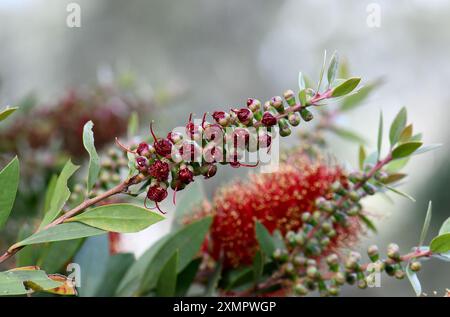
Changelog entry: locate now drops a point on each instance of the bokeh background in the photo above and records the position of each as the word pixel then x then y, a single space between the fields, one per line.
pixel 218 53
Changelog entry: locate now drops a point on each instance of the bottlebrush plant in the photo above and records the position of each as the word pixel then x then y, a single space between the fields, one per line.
pixel 287 232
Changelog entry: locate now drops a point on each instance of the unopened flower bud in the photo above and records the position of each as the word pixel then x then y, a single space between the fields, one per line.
pixel 373 253
pixel 399 274
pixel 253 104
pixel 415 266
pixel 306 114
pixel 268 119
pixel 289 96
pixel 294 119
pixel 312 272
pixel 221 118
pixel 369 188
pixel 299 260
pixel 393 251
pixel 277 103
pixel 300 289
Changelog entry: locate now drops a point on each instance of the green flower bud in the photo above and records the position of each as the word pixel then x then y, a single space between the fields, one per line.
pixel 277 103
pixel 299 260
pixel 311 262
pixel 326 227
pixel 333 291
pixel 415 266
pixel 294 119
pixel 339 278
pixel 306 114
pixel 306 216
pixel 300 238
pixel 393 251
pixel 399 274
pixel 362 284
pixel 354 210
pixel 289 96
pixel 289 268
pixel 373 253
pixel 350 278
pixel 356 177
pixel 325 241
pixel 390 269
pixel 369 189
pixel 312 272
pixel 354 195
pixel 300 289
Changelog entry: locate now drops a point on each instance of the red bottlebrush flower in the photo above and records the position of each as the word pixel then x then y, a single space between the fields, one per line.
pixel 156 193
pixel 159 170
pixel 278 201
pixel 268 119
pixel 185 175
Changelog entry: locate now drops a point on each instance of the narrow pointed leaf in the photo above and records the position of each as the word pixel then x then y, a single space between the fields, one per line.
pixel 332 68
pixel 60 194
pixel 426 224
pixel 133 124
pixel 301 82
pixel 65 231
pixel 119 218
pixel 398 192
pixel 346 87
pixel 380 135
pixel 414 280
pixel 9 182
pixel 445 228
pixel 405 149
pixel 352 101
pixel 322 71
pixel 440 244
pixel 397 126
pixel 427 148
pixel 362 156
pixel 5 113
pixel 264 238
pixel 167 281
pixel 348 135
pixel 94 160
pixel 186 277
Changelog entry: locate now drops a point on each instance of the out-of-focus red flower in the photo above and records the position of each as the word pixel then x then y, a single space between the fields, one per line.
pixel 277 200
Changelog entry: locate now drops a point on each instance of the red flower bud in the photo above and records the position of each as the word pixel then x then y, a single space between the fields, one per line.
pixel 268 119
pixel 159 170
pixel 244 115
pixel 163 147
pixel 143 149
pixel 142 163
pixel 221 117
pixel 156 193
pixel 209 170
pixel 185 175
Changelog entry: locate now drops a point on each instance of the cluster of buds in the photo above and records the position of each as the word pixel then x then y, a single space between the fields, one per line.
pixel 197 148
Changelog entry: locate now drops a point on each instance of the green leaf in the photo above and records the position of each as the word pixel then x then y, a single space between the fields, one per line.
pixel 322 71
pixel 186 277
pixel 9 182
pixel 17 282
pixel 167 281
pixel 129 284
pixel 49 192
pixel 55 255
pixel 427 148
pixel 352 101
pixel 94 160
pixel 362 156
pixel 258 265
pixel 60 195
pixel 332 68
pixel 406 134
pixel 405 149
pixel 397 165
pixel 426 224
pixel 132 170
pixel 441 243
pixel 214 280
pixel 62 232
pixel 187 240
pixel 5 113
pixel 278 240
pixel 238 277
pixel 414 280
pixel 301 81
pixel 398 192
pixel 348 135
pixel 92 259
pixel 346 87
pixel 116 267
pixel 368 223
pixel 191 197
pixel 302 97
pixel 264 238
pixel 133 124
pixel 397 126
pixel 392 178
pixel 119 218
pixel 445 228
pixel 371 158
pixel 380 136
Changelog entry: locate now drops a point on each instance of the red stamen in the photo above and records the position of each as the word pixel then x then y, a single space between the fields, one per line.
pixel 153 133
pixel 157 206
pixel 203 120
pixel 124 147
pixel 249 165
